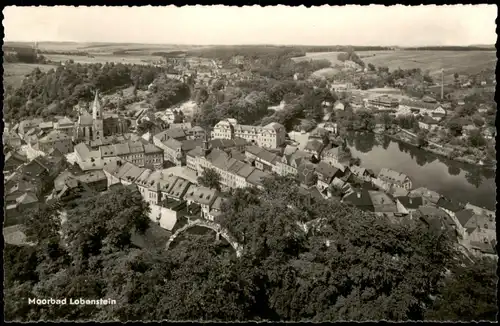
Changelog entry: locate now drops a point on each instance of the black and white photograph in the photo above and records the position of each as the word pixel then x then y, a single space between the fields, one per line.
pixel 250 164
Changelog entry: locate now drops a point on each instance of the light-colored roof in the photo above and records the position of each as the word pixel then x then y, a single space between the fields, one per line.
pixel 132 173
pixel 27 198
pixel 55 135
pixel 180 186
pixel 150 148
pixel 83 151
pixel 122 149
pixel 85 119
pixel 92 176
pixel 172 143
pixel 65 121
pixel 392 176
pixel 201 195
pixel 274 126
pixel 48 124
pixel 256 177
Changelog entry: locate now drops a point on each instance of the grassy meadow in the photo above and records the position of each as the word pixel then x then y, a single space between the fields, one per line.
pixel 461 62
pixel 14 73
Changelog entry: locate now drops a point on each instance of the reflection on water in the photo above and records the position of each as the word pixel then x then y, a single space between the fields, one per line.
pixel 456 180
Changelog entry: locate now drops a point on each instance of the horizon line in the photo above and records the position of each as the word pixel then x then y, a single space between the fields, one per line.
pixel 248 44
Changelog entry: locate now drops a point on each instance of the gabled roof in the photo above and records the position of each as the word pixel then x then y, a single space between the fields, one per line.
pixel 392 176
pixel 27 198
pixel 235 166
pixel 190 144
pixel 410 202
pixel 274 126
pixel 428 120
pixel 122 149
pixel 361 199
pixel 150 148
pixel 464 216
pixel 195 152
pixel 433 211
pixel 92 176
pixel 426 193
pixel 449 205
pixel 172 144
pixel 215 154
pixel 180 186
pixel 217 204
pixel 65 121
pixel 201 195
pixel 256 177
pixel 245 171
pixel 314 145
pixel 15 156
pixel 83 151
pixel 175 133
pixel 85 119
pixel 326 170
pixel 55 135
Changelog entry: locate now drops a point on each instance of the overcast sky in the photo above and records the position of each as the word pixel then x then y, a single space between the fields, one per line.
pixel 326 25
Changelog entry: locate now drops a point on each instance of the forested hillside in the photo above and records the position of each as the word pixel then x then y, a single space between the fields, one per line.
pixel 353 265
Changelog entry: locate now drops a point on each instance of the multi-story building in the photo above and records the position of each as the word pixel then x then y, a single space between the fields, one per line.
pixel 56 139
pixel 395 178
pixel 269 136
pixel 261 158
pixel 137 152
pixel 11 139
pixel 383 102
pixel 234 173
pixel 65 124
pixel 289 163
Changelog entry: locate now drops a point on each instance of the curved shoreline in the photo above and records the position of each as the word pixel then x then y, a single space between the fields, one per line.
pixel 491 167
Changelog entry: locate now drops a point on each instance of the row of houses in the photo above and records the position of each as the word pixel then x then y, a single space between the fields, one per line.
pixel 28 182
pixel 133 149
pixel 168 196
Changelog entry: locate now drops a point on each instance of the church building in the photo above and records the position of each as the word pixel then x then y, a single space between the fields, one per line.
pixel 94 127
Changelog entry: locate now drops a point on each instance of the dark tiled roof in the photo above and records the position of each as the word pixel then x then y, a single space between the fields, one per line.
pixel 326 170
pixel 410 202
pixel 361 199
pixel 464 216
pixel 449 205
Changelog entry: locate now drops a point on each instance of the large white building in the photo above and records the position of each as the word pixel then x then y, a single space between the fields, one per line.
pixel 269 136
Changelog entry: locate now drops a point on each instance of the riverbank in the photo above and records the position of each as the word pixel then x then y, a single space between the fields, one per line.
pixel 437 151
pixel 458 181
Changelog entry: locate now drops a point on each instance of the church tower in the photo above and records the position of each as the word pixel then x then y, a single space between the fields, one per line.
pixel 96 108
pixel 97 119
pixel 206 144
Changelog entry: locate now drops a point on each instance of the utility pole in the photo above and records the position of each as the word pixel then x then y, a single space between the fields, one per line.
pixel 442 83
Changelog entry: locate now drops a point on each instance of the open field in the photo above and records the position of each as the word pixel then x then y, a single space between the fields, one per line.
pixel 466 62
pixel 330 56
pixel 326 72
pixel 461 62
pixel 126 59
pixel 13 73
pixel 105 48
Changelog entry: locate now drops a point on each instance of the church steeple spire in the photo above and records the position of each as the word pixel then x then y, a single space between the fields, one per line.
pixel 96 107
pixel 206 144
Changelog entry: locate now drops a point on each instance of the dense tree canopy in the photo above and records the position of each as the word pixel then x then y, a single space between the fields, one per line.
pixel 210 178
pixel 65 86
pixel 303 259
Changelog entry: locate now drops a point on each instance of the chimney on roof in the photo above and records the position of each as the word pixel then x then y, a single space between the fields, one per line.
pixel 358 194
pixel 410 201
